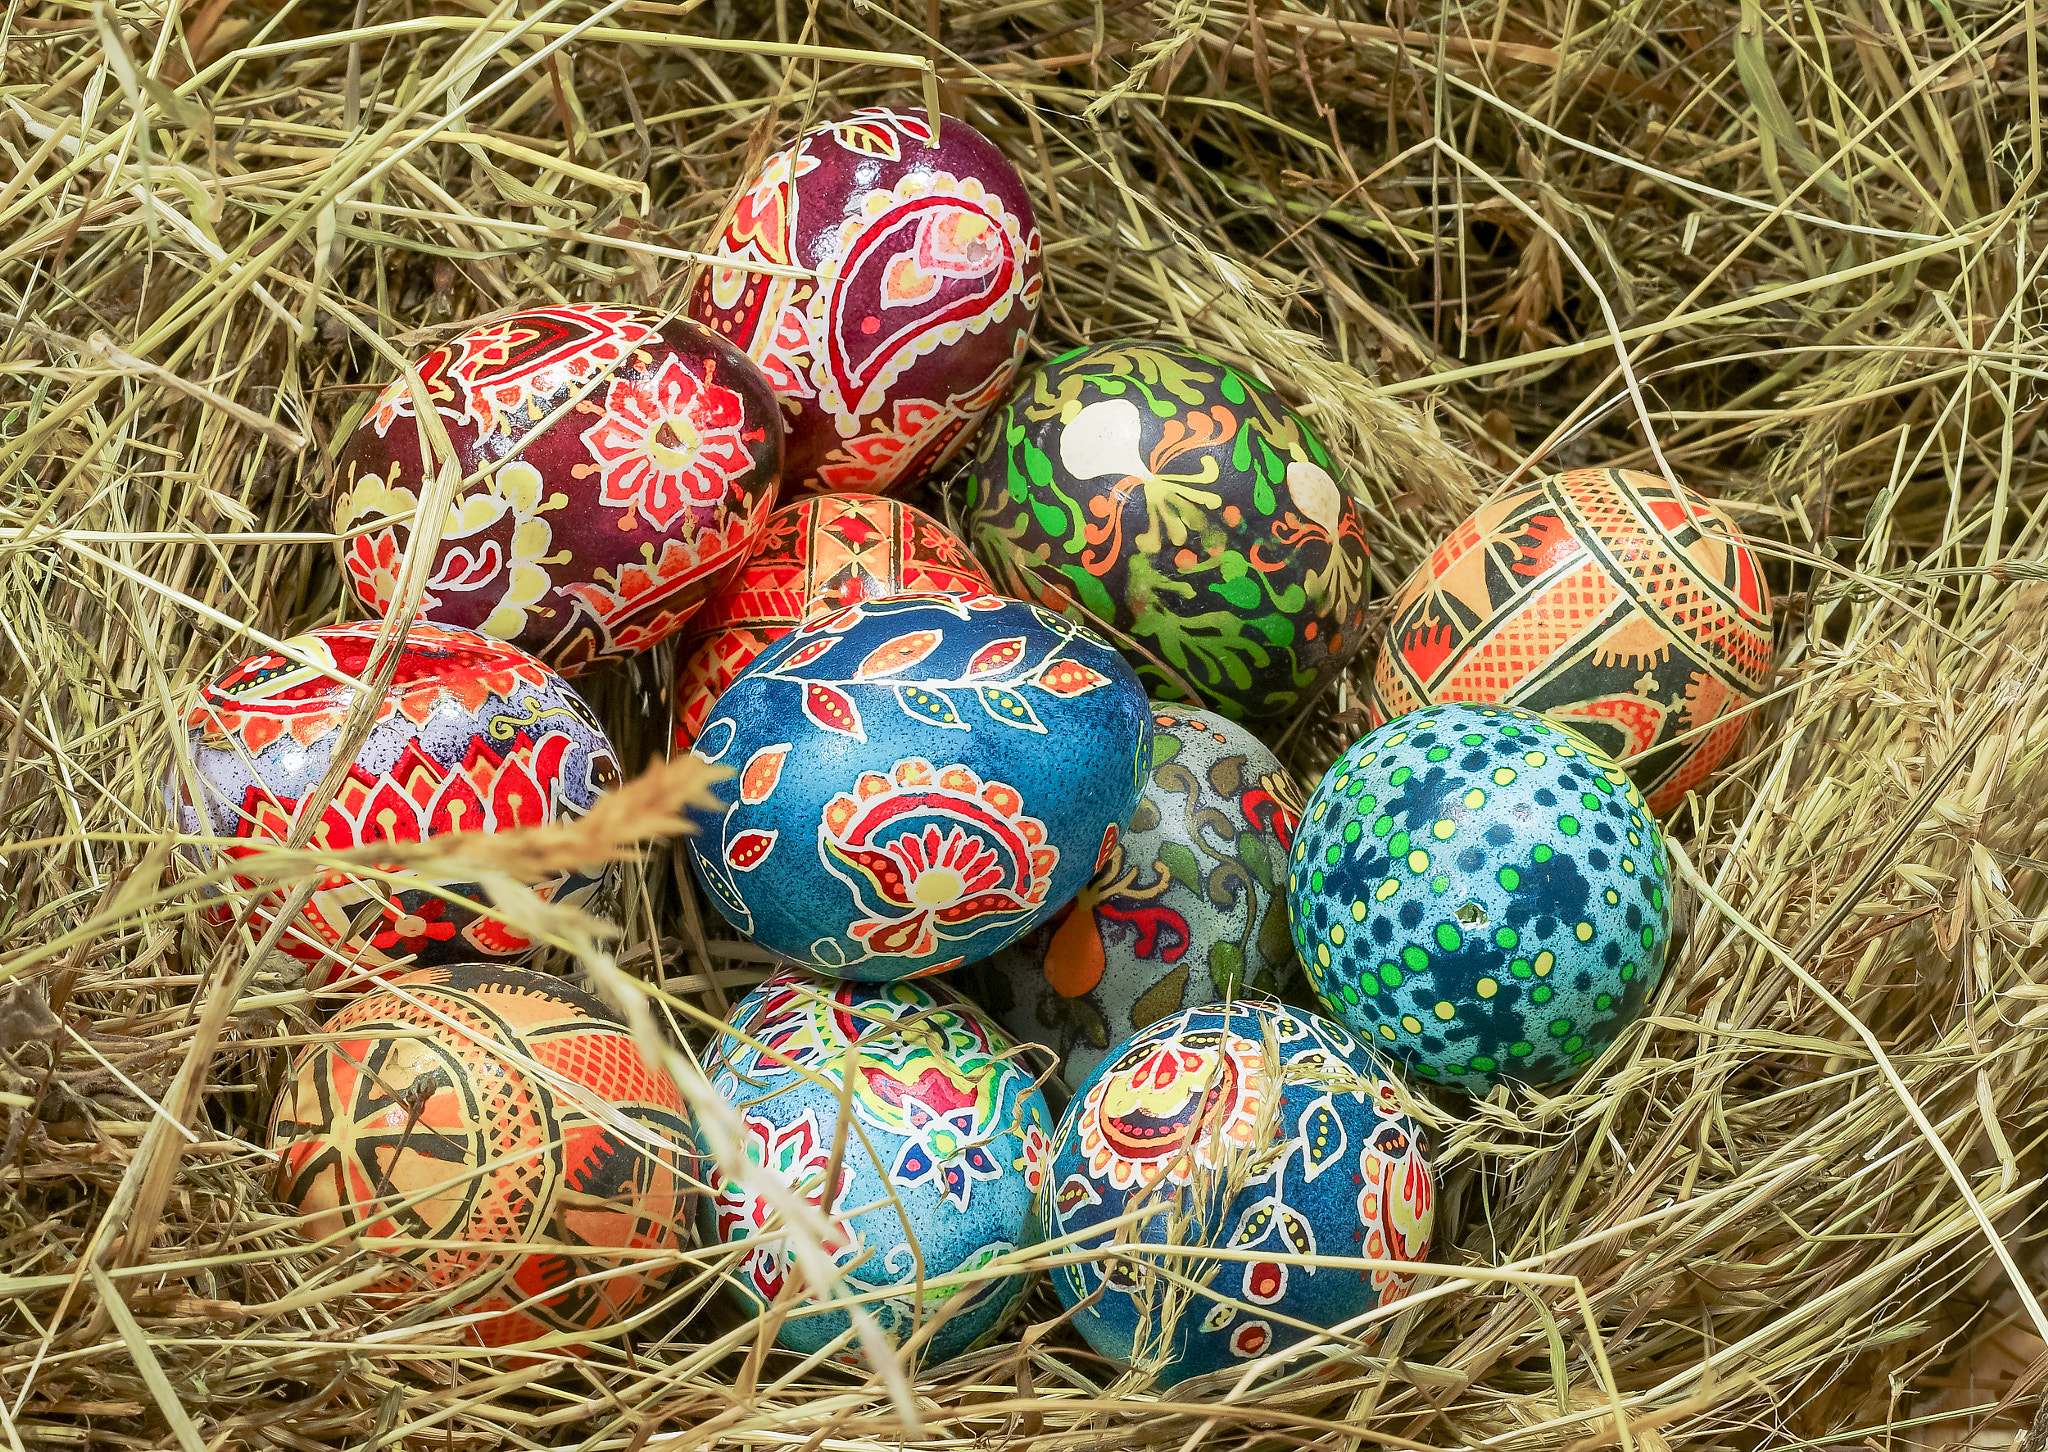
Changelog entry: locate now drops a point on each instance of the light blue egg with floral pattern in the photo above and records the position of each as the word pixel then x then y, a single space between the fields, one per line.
pixel 937 1173
pixel 1481 892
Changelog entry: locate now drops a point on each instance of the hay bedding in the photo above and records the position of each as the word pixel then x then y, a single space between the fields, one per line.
pixel 1816 229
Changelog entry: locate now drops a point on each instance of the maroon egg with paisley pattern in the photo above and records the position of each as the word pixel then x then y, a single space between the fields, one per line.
pixel 926 286
pixel 621 467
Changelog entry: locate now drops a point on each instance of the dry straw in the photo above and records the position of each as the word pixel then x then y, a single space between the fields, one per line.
pixel 1791 253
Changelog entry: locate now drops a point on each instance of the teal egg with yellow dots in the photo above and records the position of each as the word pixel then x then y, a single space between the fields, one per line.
pixel 1481 892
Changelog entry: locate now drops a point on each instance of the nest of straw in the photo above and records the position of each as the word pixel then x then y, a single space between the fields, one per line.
pixel 1795 249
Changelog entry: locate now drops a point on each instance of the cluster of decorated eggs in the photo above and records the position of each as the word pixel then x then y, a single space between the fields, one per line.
pixel 1028 752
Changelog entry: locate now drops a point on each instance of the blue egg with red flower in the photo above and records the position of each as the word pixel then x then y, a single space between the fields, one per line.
pixel 918 781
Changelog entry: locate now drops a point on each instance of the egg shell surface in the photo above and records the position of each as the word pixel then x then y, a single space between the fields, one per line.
pixel 1185 505
pixel 473 735
pixel 1630 610
pixel 1256 1128
pixel 1190 909
pixel 946 1126
pixel 919 781
pixel 438 1113
pixel 629 463
pixel 927 285
pixel 1483 892
pixel 820 553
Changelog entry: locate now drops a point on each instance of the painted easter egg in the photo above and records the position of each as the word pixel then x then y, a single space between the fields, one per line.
pixel 470 1111
pixel 1191 907
pixel 1628 609
pixel 918 781
pixel 1483 892
pixel 1247 1129
pixel 926 286
pixel 628 463
pixel 821 553
pixel 1167 494
pixel 473 735
pixel 937 1176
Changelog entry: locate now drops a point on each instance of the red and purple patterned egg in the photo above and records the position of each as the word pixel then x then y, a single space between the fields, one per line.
pixel 927 284
pixel 498 1136
pixel 472 735
pixel 625 465
pixel 821 553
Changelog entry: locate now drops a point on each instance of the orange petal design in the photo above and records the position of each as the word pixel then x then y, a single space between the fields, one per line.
pixel 898 654
pixel 1070 678
pixel 763 771
pixel 996 655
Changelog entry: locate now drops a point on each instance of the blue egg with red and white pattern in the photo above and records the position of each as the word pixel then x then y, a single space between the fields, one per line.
pixel 918 781
pixel 1265 1133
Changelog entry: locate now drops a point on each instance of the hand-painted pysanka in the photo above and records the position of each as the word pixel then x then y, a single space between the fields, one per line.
pixel 1173 498
pixel 474 735
pixel 946 1153
pixel 1604 598
pixel 1190 909
pixel 821 553
pixel 1250 1129
pixel 628 463
pixel 1481 892
pixel 493 1109
pixel 918 781
pixel 927 285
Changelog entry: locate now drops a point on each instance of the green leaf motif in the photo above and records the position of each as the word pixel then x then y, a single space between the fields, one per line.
pixel 1180 864
pixel 1089 591
pixel 1251 850
pixel 1276 941
pixel 1009 708
pixel 1226 968
pixel 1238 587
pixel 1276 628
pixel 1161 999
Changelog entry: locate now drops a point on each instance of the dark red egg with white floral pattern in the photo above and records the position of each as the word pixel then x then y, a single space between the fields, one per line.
pixel 619 468
pixel 886 281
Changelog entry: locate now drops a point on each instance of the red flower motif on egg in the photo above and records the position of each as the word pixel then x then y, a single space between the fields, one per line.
pixel 414 800
pixel 667 443
pixel 410 929
pixel 934 854
pixel 798 1154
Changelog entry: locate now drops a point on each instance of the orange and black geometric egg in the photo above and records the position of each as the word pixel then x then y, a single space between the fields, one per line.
pixel 496 1134
pixel 819 554
pixel 619 466
pixel 1625 607
pixel 1258 1130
